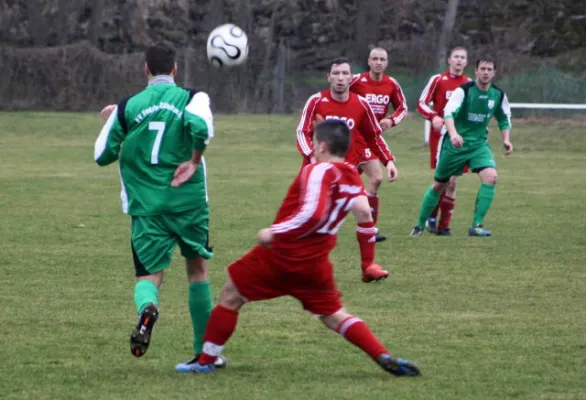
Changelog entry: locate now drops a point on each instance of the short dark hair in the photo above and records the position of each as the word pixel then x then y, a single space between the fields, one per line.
pixel 338 61
pixel 336 134
pixel 451 51
pixel 160 58
pixel 486 59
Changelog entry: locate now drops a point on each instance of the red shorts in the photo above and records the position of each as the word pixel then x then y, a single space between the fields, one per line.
pixel 261 275
pixel 361 155
pixel 434 142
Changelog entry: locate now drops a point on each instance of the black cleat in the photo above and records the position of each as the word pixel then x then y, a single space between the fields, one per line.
pixel 444 232
pixel 141 336
pixel 397 366
pixel 416 232
pixel 380 237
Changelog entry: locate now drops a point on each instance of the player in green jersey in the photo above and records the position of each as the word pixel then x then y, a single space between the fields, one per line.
pixel 159 136
pixel 467 115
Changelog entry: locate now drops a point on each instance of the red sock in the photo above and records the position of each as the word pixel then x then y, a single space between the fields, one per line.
pixel 446 205
pixel 366 236
pixel 221 326
pixel 437 208
pixel 373 202
pixel 356 332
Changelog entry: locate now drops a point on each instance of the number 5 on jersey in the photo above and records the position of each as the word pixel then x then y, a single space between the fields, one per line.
pixel 159 127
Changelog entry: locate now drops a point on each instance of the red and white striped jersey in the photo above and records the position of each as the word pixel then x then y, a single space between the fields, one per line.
pixel 358 115
pixel 314 209
pixel 438 91
pixel 379 94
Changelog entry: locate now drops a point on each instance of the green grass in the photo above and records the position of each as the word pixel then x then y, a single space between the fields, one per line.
pixel 495 318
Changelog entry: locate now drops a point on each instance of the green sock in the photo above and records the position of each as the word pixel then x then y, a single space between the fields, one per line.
pixel 430 200
pixel 200 307
pixel 483 202
pixel 145 292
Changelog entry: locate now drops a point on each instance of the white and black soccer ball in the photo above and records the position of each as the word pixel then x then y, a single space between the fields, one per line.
pixel 227 46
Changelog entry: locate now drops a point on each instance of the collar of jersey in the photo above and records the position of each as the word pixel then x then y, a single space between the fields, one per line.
pixel 162 79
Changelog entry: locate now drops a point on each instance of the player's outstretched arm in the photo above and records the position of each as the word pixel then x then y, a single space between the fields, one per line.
pixel 503 117
pixel 451 110
pixel 399 104
pixel 371 131
pixel 305 126
pixel 507 141
pixel 426 97
pixel 199 122
pixel 107 146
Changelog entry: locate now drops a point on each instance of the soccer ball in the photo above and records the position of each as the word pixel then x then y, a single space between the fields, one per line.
pixel 227 46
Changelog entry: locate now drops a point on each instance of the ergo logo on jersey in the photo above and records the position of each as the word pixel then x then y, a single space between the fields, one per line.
pixel 349 121
pixel 377 98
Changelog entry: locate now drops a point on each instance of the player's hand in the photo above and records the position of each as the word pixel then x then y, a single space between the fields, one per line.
pixel 392 171
pixel 508 147
pixel 386 123
pixel 265 237
pixel 457 140
pixel 183 173
pixel 437 123
pixel 106 111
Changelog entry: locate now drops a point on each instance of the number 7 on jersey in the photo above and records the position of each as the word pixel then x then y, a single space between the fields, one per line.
pixel 160 128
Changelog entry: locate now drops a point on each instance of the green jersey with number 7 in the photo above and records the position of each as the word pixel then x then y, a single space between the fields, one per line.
pixel 152 133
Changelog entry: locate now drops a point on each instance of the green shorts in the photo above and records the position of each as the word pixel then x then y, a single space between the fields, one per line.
pixel 154 239
pixel 452 161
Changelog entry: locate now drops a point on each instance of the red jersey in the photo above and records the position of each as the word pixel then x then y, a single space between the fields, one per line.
pixel 314 209
pixel 358 115
pixel 379 94
pixel 438 91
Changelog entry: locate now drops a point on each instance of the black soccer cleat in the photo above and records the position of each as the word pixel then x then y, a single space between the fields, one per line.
pixel 416 232
pixel 141 336
pixel 380 237
pixel 444 232
pixel 397 366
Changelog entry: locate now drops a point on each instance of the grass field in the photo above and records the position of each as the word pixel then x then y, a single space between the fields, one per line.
pixel 495 318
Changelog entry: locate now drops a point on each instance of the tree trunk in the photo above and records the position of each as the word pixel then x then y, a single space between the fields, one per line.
pixel 366 29
pixel 215 14
pixel 95 25
pixel 36 22
pixel 279 80
pixel 446 34
pixel 264 83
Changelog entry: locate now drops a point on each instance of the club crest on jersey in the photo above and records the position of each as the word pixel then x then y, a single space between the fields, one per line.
pixel 490 104
pixel 349 121
pixel 377 98
pixel 449 94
